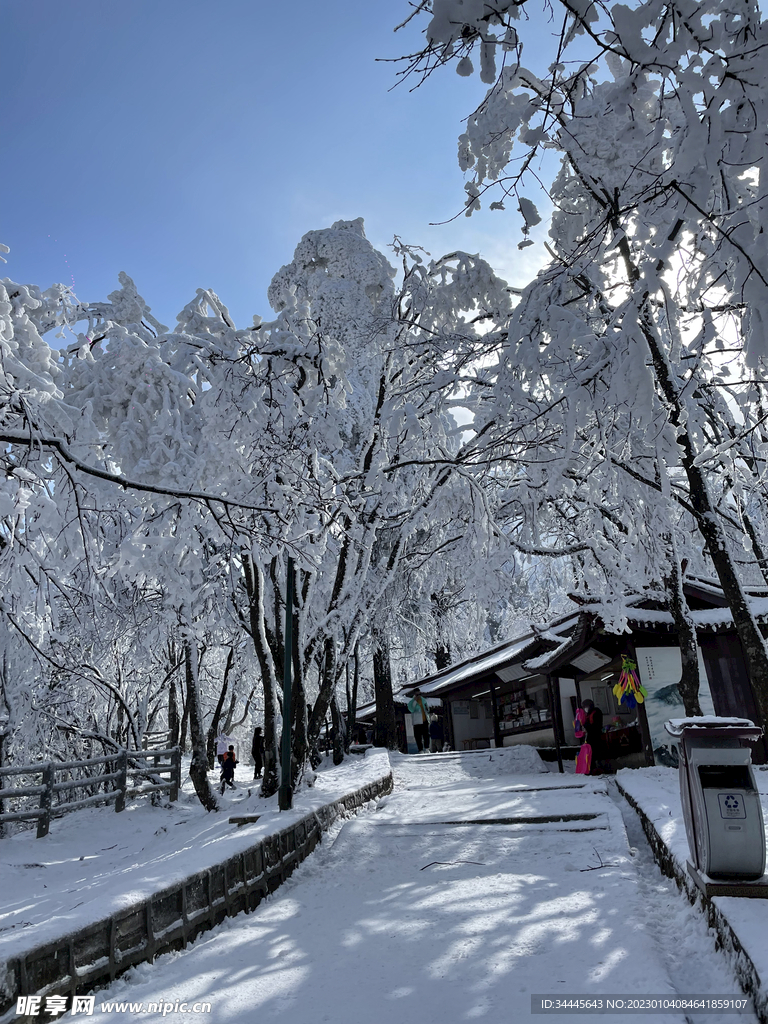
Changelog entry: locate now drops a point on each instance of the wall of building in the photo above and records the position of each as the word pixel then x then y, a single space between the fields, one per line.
pixel 538 738
pixel 472 719
pixel 568 691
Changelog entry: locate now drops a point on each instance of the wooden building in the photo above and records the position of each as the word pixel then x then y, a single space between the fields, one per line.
pixel 527 689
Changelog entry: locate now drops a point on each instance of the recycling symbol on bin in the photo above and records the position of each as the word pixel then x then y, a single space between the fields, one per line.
pixel 731 805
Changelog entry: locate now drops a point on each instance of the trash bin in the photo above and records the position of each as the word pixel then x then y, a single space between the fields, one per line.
pixel 721 804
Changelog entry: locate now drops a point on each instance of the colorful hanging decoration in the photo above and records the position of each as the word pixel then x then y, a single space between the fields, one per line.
pixel 629 690
pixel 579 730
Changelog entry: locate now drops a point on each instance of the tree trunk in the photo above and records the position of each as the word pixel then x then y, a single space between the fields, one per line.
pixel 686 636
pixel 254 585
pixel 352 696
pixel 184 722
pixel 442 657
pixel 442 652
pixel 230 717
pixel 198 768
pixel 382 683
pixel 715 537
pixel 339 732
pixel 214 727
pixel 300 722
pixel 173 715
pixel 320 710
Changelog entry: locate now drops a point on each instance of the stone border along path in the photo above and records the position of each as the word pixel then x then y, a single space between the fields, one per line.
pixel 745 970
pixel 93 957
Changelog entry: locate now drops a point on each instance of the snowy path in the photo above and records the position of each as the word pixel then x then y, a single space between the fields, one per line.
pixel 420 911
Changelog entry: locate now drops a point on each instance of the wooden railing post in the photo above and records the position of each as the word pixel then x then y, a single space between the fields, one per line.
pixel 122 782
pixel 46 802
pixel 176 774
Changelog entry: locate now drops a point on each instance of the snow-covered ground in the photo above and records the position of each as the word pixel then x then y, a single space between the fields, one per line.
pixel 657 792
pixel 95 862
pixel 419 910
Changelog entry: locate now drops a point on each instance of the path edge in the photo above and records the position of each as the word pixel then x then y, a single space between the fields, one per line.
pixel 744 967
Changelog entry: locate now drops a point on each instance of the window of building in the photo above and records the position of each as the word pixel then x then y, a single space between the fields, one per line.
pixel 602 699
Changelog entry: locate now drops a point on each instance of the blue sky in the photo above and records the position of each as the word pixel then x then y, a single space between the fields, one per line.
pixel 193 143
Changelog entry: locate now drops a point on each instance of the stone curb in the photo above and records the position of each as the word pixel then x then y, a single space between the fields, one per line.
pixel 94 956
pixel 745 970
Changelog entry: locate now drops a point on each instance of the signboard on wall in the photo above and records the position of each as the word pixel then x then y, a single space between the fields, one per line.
pixel 460 707
pixel 659 669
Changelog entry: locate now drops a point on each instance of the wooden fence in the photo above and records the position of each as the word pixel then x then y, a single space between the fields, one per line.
pixel 129 773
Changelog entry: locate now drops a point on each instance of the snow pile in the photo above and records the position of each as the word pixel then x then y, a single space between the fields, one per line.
pixel 520 758
pixel 454 766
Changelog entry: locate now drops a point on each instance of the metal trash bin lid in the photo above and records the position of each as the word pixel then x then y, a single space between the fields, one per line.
pixel 712 725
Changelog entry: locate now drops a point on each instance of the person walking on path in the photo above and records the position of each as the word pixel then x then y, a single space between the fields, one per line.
pixel 418 708
pixel 228 770
pixel 435 734
pixel 222 745
pixel 257 752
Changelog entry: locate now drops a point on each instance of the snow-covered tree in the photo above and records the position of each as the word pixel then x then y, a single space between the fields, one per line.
pixel 180 469
pixel 656 296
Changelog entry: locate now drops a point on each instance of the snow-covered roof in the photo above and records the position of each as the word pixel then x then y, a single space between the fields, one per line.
pixel 477 665
pixel 565 637
pixel 564 634
pixel 368 710
pixel 719 617
pixel 702 618
pixel 651 617
pixel 560 633
pixel 711 585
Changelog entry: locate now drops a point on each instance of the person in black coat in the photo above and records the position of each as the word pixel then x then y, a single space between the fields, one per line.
pixel 593 726
pixel 228 770
pixel 257 752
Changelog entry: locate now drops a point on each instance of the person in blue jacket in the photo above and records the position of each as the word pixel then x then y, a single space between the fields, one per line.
pixel 435 734
pixel 420 718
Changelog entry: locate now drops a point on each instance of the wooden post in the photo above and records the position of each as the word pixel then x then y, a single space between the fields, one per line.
pixel 555 727
pixel 577 682
pixel 46 802
pixel 122 782
pixel 448 733
pixel 645 734
pixel 176 776
pixel 559 722
pixel 497 737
